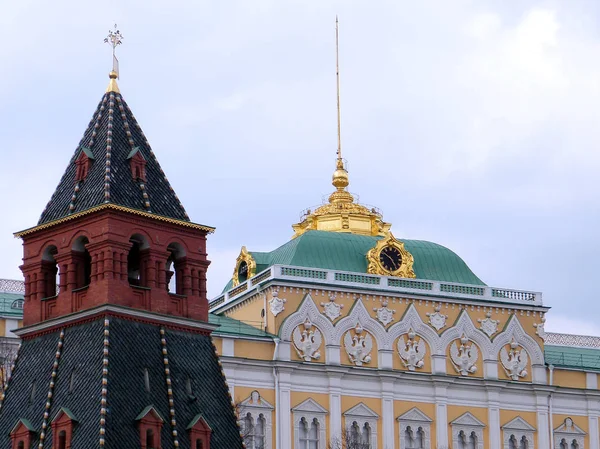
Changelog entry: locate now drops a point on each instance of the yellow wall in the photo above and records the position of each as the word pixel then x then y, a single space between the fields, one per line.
pixel 218 342
pixel 568 378
pixel 250 349
pixel 401 407
pixel 2 327
pixel 249 311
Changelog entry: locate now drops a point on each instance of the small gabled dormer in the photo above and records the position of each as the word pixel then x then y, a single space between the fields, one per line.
pixel 199 431
pixel 150 424
pixel 83 164
pixel 62 429
pixel 137 162
pixel 22 434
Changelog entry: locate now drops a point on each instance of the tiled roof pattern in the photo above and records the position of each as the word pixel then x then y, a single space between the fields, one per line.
pixel 347 252
pixel 111 135
pixel 133 347
pixel 571 357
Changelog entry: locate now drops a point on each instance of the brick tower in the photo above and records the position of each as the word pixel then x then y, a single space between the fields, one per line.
pixel 116 349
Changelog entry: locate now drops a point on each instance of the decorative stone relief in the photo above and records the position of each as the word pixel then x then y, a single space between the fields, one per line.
pixel 539 328
pixel 464 357
pixel 276 304
pixel 307 342
pixel 436 319
pixel 359 345
pixel 569 435
pixel 332 309
pixel 514 361
pixel 412 351
pixel 489 326
pixel 384 314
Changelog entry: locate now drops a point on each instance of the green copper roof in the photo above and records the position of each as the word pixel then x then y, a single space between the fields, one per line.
pixel 570 357
pixel 9 303
pixel 347 252
pixel 234 327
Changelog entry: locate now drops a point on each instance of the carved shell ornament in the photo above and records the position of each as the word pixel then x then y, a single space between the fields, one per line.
pixel 359 345
pixel 514 361
pixel 384 314
pixel 436 319
pixel 412 351
pixel 276 304
pixel 464 357
pixel 332 309
pixel 307 341
pixel 489 326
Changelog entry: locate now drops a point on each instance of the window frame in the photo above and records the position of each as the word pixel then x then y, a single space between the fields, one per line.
pixel 310 410
pixel 362 415
pixel 415 418
pixel 257 406
pixel 519 428
pixel 468 424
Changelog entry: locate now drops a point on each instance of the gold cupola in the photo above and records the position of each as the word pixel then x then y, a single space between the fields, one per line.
pixel 341 213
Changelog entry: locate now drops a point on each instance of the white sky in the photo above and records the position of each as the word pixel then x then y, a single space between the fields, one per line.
pixel 470 124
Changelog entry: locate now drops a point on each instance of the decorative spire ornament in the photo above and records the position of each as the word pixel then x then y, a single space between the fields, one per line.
pixel 114 38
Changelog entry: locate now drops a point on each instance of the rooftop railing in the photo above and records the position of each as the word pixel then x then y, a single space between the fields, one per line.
pixel 580 341
pixel 380 283
pixel 12 286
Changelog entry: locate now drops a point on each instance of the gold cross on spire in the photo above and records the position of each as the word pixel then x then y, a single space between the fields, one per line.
pixel 114 38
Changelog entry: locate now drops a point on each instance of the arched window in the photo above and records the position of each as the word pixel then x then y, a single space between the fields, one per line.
pixel 21 445
pixel 414 440
pixel 83 262
pixel 309 434
pixel 524 443
pixel 354 434
pixel 137 262
pixel 49 271
pixel 420 440
pixel 564 444
pixel 62 440
pixel 199 444
pixel 150 439
pixel 462 440
pixel 512 442
pixel 174 272
pixel 249 431
pixel 574 444
pixel 259 432
pixel 365 438
pixel 472 441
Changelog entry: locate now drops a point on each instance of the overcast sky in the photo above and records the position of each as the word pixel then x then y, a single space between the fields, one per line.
pixel 473 124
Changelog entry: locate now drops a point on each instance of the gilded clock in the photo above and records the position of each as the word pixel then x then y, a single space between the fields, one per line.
pixel 389 257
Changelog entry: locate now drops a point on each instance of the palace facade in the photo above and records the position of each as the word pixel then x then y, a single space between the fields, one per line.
pixel 347 336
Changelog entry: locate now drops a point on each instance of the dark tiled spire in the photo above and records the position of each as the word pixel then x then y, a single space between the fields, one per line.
pixel 110 140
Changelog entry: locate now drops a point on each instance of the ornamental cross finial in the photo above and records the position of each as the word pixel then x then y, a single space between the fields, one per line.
pixel 114 38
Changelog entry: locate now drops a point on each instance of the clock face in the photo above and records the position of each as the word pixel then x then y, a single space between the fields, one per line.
pixel 390 258
pixel 243 271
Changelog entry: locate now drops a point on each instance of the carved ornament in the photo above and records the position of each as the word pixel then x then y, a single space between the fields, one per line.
pixel 332 309
pixel 514 361
pixel 540 331
pixel 464 357
pixel 412 351
pixel 489 326
pixel 307 341
pixel 276 304
pixel 384 314
pixel 437 320
pixel 359 345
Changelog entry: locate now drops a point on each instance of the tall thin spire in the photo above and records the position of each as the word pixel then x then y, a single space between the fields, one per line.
pixel 114 38
pixel 340 163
